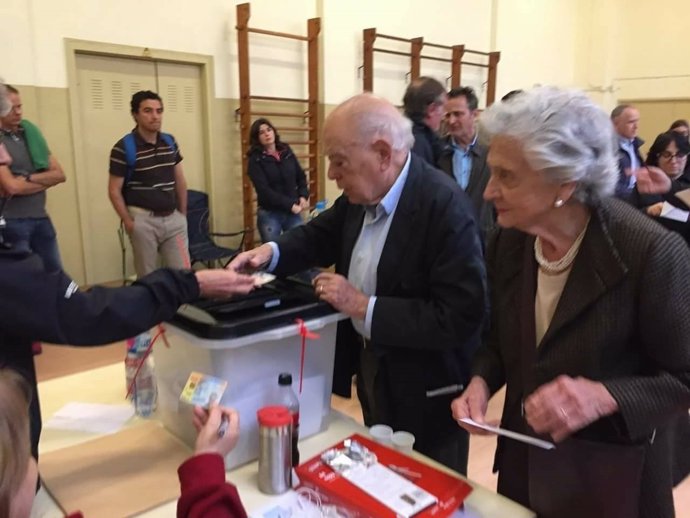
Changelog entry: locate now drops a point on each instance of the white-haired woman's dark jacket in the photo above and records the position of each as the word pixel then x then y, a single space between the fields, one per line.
pixel 622 319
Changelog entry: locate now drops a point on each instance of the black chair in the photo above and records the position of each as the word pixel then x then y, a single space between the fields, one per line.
pixel 202 248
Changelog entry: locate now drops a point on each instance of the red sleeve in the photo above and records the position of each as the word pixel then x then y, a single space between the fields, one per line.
pixel 204 491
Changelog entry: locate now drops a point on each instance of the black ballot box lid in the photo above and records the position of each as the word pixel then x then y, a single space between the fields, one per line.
pixel 276 304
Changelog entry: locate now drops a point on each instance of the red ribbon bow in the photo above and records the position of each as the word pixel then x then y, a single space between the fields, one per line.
pixel 304 333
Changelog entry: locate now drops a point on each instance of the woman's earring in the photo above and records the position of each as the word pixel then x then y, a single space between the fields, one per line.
pixel 558 203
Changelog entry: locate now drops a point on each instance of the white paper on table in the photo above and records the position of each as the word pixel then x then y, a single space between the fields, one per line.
pixel 674 213
pixel 395 492
pixel 684 196
pixel 510 434
pixel 90 417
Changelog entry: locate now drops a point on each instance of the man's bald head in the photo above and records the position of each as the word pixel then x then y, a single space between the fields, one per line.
pixel 370 117
pixel 367 141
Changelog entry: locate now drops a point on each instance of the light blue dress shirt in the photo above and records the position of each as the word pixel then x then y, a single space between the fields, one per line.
pixel 627 146
pixel 462 162
pixel 368 247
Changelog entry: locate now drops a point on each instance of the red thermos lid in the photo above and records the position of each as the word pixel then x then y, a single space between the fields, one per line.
pixel 274 416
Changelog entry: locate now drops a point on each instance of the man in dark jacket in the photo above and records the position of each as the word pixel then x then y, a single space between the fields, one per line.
pixel 464 157
pixel 625 119
pixel 409 273
pixel 40 305
pixel 424 105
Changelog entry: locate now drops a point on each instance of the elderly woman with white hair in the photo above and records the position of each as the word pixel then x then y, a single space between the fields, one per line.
pixel 589 328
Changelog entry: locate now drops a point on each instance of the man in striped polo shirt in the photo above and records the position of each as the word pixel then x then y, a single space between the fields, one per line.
pixel 149 191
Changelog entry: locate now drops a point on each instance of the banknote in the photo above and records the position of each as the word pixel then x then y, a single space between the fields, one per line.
pixel 261 278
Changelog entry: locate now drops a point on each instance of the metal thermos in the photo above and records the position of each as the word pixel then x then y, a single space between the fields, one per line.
pixel 275 449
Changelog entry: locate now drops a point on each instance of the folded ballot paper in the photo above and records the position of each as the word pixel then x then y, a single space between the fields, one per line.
pixel 668 211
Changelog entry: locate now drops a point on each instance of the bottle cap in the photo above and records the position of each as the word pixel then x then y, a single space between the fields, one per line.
pixel 320 205
pixel 274 416
pixel 284 378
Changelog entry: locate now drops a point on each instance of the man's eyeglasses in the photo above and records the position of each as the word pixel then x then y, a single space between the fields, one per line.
pixel 670 156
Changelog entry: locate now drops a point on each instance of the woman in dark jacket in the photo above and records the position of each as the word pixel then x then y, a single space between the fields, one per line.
pixel 279 181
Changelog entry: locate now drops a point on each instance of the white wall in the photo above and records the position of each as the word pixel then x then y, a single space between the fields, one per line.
pixel 538 40
pixel 653 50
pixel 445 22
pixel 34 30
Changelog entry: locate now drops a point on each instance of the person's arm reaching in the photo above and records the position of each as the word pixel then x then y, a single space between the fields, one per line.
pixel 203 489
pixel 51 307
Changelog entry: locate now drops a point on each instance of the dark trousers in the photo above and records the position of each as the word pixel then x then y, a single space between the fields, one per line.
pixel 35 235
pixel 448 446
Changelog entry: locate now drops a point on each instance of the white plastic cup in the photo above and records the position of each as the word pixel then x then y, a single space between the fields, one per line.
pixel 381 433
pixel 403 441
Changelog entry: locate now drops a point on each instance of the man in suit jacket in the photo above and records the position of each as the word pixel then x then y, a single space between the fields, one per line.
pixel 423 104
pixel 463 156
pixel 625 119
pixel 408 272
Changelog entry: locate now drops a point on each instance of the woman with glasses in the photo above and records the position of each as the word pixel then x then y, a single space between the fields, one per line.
pixel 669 153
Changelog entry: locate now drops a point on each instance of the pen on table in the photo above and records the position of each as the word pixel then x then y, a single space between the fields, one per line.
pixel 450 389
pixel 223 428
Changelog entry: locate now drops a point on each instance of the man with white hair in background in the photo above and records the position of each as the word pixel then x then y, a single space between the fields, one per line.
pixel 33 169
pixel 409 273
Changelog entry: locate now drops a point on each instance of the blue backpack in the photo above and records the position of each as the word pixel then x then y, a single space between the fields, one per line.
pixel 131 153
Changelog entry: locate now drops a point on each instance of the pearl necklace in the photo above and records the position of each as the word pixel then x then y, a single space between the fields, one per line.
pixel 562 264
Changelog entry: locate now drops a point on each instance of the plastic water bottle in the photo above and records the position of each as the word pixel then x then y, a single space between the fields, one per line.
pixel 288 398
pixel 144 393
pixel 318 209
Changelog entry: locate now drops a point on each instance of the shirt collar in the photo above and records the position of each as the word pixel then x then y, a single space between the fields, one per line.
pixel 389 202
pixel 138 138
pixel 626 142
pixel 9 132
pixel 455 145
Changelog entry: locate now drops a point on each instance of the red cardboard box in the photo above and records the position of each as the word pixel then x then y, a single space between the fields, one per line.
pixel 336 490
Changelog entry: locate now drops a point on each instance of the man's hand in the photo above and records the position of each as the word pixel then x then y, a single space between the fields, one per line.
pixel 207 423
pixel 652 180
pixel 565 405
pixel 303 203
pixel 129 225
pixel 253 260
pixel 343 296
pixel 221 283
pixel 296 208
pixel 473 404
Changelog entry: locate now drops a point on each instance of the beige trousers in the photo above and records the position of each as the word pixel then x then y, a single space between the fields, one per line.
pixel 153 235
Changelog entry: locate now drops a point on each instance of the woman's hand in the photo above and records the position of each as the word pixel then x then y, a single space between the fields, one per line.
pixel 473 404
pixel 655 210
pixel 652 180
pixel 565 405
pixel 207 424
